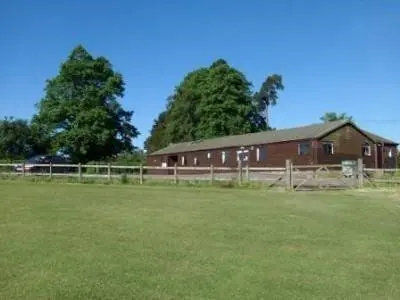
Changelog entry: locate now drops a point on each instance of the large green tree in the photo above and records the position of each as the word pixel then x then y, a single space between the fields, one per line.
pixel 183 115
pixel 226 107
pixel 157 138
pixel 19 139
pixel 333 116
pixel 81 109
pixel 268 96
pixel 209 102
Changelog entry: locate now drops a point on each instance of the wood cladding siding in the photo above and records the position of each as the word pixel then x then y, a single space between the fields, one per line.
pixel 389 157
pixel 347 145
pixel 269 155
pixel 347 141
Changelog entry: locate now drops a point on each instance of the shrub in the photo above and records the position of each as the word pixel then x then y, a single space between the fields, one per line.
pixel 124 178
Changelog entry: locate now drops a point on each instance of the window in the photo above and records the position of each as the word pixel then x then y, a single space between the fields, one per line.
pixel 242 155
pixel 195 161
pixel 183 159
pixel 263 153
pixel 223 157
pixel 209 155
pixel 327 147
pixel 366 150
pixel 304 148
pixel 390 154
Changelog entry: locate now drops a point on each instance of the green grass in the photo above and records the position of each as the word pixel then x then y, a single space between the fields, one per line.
pixel 75 241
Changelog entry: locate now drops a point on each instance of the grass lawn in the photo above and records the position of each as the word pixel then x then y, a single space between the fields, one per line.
pixel 71 241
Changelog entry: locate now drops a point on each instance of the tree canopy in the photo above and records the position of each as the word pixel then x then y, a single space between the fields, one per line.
pixel 212 102
pixel 19 139
pixel 156 139
pixel 333 116
pixel 268 95
pixel 81 111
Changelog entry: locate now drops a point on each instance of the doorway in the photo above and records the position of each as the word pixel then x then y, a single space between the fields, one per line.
pixel 379 156
pixel 171 161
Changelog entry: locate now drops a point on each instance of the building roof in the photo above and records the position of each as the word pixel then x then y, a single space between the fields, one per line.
pixel 378 139
pixel 313 131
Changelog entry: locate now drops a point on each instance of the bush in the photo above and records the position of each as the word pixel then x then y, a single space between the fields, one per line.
pixel 126 159
pixel 124 178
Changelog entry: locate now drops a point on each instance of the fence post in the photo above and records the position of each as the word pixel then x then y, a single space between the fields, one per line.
pixel 247 172
pixel 51 170
pixel 289 175
pixel 176 173
pixel 360 173
pixel 292 178
pixel 80 171
pixel 211 174
pixel 240 175
pixel 141 174
pixel 109 171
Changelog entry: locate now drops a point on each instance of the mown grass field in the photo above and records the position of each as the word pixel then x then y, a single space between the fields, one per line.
pixel 71 241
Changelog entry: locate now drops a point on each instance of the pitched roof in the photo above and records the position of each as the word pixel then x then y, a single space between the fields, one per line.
pixel 313 131
pixel 378 139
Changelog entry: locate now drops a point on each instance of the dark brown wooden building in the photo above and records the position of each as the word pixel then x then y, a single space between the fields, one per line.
pixel 326 143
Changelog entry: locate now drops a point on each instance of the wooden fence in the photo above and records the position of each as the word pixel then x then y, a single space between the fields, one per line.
pixel 291 177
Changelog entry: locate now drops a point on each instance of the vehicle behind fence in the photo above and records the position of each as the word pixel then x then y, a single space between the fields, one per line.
pixel 291 177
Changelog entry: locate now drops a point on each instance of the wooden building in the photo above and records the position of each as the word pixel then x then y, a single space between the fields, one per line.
pixel 325 143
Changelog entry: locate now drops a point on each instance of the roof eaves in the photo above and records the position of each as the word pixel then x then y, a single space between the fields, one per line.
pixel 378 139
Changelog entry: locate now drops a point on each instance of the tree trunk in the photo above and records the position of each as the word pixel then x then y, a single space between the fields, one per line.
pixel 266 116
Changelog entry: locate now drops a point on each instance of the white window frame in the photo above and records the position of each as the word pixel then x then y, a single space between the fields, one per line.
pixel 195 161
pixel 258 153
pixel 332 149
pixel 183 160
pixel 390 153
pixel 245 153
pixel 368 152
pixel 209 155
pixel 223 157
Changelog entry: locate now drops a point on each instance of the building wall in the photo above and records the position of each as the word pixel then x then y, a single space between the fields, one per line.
pixel 270 155
pixel 347 142
pixel 389 157
pixel 347 145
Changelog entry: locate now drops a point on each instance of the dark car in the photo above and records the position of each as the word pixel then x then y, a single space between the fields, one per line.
pixel 32 165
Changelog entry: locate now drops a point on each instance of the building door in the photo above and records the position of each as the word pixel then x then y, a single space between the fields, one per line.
pixel 171 161
pixel 379 156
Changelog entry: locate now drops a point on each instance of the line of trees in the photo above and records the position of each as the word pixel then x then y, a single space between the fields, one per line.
pixel 81 114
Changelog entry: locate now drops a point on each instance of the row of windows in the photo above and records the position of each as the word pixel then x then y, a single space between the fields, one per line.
pixel 305 148
pixel 261 153
pixel 241 155
pixel 328 148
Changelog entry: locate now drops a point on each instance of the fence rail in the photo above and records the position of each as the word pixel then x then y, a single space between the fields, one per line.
pixel 291 177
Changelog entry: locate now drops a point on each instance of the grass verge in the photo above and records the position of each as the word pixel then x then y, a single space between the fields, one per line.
pixel 62 241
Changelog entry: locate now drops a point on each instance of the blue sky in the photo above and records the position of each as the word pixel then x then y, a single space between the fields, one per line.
pixel 334 55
